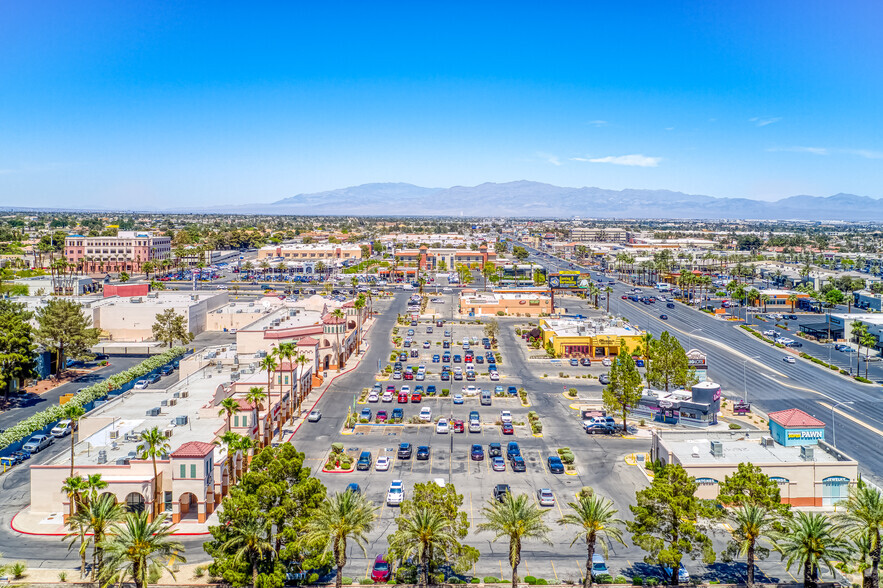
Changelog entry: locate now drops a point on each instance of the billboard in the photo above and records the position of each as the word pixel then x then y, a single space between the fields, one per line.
pixel 564 279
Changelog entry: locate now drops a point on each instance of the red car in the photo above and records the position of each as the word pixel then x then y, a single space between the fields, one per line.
pixel 458 426
pixel 409 375
pixel 381 416
pixel 507 428
pixel 468 359
pixel 382 571
pixel 416 397
pixel 625 297
pixel 391 389
pixel 403 398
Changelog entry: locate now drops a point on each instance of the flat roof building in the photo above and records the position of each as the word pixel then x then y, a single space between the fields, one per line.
pixel 325 252
pixel 597 338
pixel 127 252
pixel 503 303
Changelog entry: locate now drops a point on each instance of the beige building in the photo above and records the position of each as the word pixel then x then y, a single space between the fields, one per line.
pixel 325 252
pixel 810 475
pixel 600 234
pixel 503 303
pixel 132 318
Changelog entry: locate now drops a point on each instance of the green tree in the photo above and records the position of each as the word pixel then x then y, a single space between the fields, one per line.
pixel 339 518
pixel 669 366
pixel 596 520
pixel 863 518
pixel 811 541
pixel 124 277
pixel 520 253
pixel 63 328
pixel 278 491
pixel 16 345
pixel 74 413
pixel 137 548
pixel 446 502
pixel 154 444
pixel 748 485
pixel 492 330
pixel 170 327
pixel 669 520
pixel 624 390
pixel 249 541
pixel 646 351
pixel 229 407
pixel 74 488
pixel 340 320
pixel 421 533
pixel 834 297
pixel 515 519
pixel 97 517
pixel 750 524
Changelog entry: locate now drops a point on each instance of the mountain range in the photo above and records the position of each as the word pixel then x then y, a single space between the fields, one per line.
pixel 535 199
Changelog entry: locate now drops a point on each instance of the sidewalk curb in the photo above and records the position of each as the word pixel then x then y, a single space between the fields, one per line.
pixel 30 534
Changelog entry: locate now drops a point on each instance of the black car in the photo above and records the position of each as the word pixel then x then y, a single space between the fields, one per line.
pixel 167 370
pixel 500 492
pixel 586 362
pixel 404 451
pixel 512 450
pixel 670 305
pixel 446 376
pixel 556 466
pixel 477 452
pixel 423 452
pixel 153 379
pixel 479 359
pixel 517 463
pixel 494 450
pixel 414 353
pixel 364 462
pixel 663 317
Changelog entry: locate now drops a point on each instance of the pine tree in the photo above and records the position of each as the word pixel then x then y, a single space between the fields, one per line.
pixel 624 390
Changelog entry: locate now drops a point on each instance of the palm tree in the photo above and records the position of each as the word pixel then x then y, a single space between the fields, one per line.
pixel 154 444
pixel 864 516
pixel 287 351
pixel 750 523
pixel 97 519
pixel 250 541
pixel 93 484
pixel 301 360
pixel 229 440
pixel 79 533
pixel 74 487
pixel 269 364
pixel 359 305
pixel 73 412
pixel 255 396
pixel 764 298
pixel 596 519
pixel 515 519
pixel 229 406
pixel 338 315
pixel 138 548
pixel 810 539
pixel 419 534
pixel 792 298
pixel 608 291
pixel 339 518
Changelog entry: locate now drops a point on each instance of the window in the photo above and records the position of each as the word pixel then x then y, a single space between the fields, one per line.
pixel 183 471
pixel 193 470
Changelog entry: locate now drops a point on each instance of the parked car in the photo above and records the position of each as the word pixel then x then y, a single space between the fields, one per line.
pixel 441 426
pixel 140 385
pixel 458 399
pixel 314 416
pixel 545 497
pixel 382 571
pixel 395 494
pixel 604 379
pixel 508 429
pixel 365 414
pixel 494 450
pixel 512 449
pixel 498 464
pixel 37 443
pixel 364 462
pixel 599 566
pixel 458 426
pixel 381 416
pixel 425 414
pixel 423 452
pixel 62 429
pixel 404 451
pixel 556 466
pixel 500 492
pixel 517 463
pixel 477 452
pixel 788 359
pixel 354 488
pixel 397 414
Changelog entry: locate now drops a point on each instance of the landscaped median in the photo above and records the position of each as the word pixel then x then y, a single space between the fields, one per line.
pixel 568 458
pixel 50 416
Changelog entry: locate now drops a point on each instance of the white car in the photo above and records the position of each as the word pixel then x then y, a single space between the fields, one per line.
pixel 505 416
pixel 396 493
pixel 62 429
pixel 545 496
pixel 770 333
pixel 788 359
pixel 373 397
pixel 425 414
pixel 441 426
pixel 470 390
pixel 406 389
pixel 606 362
pixel 387 396
pixel 494 376
pixel 382 464
pixel 314 416
pixel 140 385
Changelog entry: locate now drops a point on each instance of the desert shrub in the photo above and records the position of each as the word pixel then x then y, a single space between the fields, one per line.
pixel 491 580
pixel 530 580
pixel 586 491
pixel 620 579
pixel 735 426
pixel 637 581
pixel 346 580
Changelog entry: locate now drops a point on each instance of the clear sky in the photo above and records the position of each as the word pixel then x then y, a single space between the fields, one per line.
pixel 165 104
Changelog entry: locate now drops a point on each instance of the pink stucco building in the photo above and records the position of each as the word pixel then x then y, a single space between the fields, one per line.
pixel 126 252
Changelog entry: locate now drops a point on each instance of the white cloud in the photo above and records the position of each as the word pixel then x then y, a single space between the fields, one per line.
pixel 813 150
pixel 762 122
pixel 598 123
pixel 867 154
pixel 549 158
pixel 634 160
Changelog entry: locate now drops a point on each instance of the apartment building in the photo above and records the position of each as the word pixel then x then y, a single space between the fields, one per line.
pixel 599 234
pixel 127 252
pixel 325 252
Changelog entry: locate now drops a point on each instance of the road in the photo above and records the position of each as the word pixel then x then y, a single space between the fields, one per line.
pixel 744 365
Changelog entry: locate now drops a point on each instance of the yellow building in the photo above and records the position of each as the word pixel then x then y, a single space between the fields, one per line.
pixel 580 338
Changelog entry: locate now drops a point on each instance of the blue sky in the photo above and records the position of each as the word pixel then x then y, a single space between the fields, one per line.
pixel 124 104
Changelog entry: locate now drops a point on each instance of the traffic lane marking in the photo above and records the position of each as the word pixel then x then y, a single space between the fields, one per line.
pixel 852 418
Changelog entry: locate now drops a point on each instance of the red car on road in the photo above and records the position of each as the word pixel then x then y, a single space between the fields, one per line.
pixel 416 397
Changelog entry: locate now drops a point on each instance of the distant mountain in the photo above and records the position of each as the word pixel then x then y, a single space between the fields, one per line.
pixel 532 199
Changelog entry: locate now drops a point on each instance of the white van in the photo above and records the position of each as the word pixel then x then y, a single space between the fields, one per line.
pixel 407 287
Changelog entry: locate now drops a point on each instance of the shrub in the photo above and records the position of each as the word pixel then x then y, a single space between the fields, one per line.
pixel 572 392
pixel 735 426
pixel 863 380
pixel 844 372
pixel 491 580
pixel 641 422
pixel 346 580
pixel 445 392
pixel 337 447
pixel 198 572
pixel 537 427
pixel 153 576
pixel 586 491
pixel 605 579
pixel 18 570
pixel 651 582
pixel 314 578
pixel 406 575
pixel 62 576
pixel 456 581
pixel 620 579
pixel 637 581
pixel 542 582
pixel 530 580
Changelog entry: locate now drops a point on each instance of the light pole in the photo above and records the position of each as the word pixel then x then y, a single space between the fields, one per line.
pixel 690 336
pixel 744 380
pixel 833 426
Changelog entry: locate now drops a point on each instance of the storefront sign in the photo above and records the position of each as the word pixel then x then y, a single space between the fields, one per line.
pixel 696 358
pixel 808 434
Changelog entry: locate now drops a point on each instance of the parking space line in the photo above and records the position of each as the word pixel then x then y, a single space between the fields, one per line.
pixel 553 570
pixel 382 508
pixel 471 514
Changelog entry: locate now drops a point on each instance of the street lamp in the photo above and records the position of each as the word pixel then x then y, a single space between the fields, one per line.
pixel 833 427
pixel 744 381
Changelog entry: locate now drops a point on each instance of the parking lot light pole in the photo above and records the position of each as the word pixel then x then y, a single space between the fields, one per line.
pixel 833 423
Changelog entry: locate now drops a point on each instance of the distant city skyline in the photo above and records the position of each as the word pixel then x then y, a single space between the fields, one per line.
pixel 131 105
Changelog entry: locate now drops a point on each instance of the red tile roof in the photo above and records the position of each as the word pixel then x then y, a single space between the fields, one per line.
pixel 329 319
pixel 194 449
pixel 307 341
pixel 293 332
pixel 794 417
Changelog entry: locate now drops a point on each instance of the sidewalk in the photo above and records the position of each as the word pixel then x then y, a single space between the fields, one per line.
pixel 52 525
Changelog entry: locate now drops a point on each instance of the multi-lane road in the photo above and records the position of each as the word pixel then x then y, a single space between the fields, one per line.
pixel 744 365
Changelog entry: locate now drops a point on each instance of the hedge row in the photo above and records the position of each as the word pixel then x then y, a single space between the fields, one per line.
pixel 42 419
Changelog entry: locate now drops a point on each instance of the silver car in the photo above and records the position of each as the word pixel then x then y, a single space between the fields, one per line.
pixel 37 443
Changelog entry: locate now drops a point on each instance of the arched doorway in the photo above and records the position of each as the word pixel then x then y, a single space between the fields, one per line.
pixel 105 495
pixel 189 506
pixel 327 362
pixel 134 502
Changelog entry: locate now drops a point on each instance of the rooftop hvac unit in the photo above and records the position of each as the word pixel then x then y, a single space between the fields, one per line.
pixel 153 412
pixel 181 420
pixel 176 395
pixel 234 376
pixel 807 453
pixel 717 449
pixel 767 441
pixel 122 461
pixel 164 403
pixel 173 401
pixel 251 303
pixel 114 435
pixel 135 299
pixel 102 456
pixel 168 432
pixel 184 393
